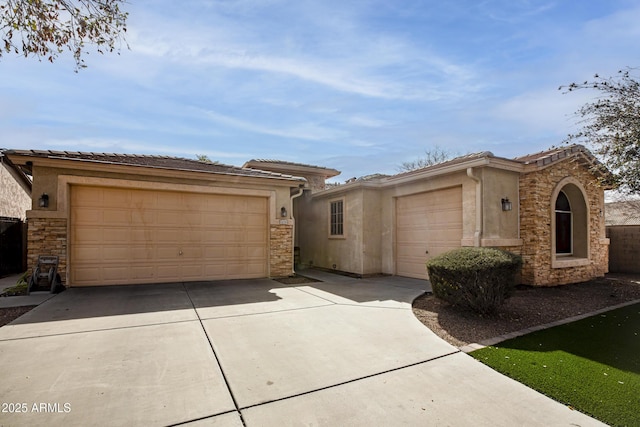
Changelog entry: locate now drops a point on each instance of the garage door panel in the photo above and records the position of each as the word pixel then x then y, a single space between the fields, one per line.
pixel 141 217
pixel 142 254
pixel 120 254
pixel 255 236
pixel 168 236
pixel 112 234
pixel 86 253
pixel 213 252
pixel 142 272
pixel 236 252
pixel 116 216
pixel 427 224
pixel 121 236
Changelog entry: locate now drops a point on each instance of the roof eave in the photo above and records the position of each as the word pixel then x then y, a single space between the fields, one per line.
pixel 80 164
pixel 18 174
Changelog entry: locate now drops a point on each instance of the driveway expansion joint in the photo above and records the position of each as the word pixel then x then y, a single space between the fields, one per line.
pixel 423 362
pixel 215 355
pixel 206 417
pixel 233 316
pixel 116 328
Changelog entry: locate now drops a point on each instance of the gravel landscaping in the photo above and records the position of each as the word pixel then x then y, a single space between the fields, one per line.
pixel 7 315
pixel 529 306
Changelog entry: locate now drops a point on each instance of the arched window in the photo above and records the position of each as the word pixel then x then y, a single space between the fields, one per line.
pixel 570 225
pixel 564 225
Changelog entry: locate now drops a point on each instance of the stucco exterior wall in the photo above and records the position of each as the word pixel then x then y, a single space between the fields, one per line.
pixel 542 267
pixel 320 249
pixel 500 228
pixel 368 246
pixel 14 200
pixel 372 232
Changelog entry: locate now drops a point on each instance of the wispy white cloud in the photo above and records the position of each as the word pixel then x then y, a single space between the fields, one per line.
pixel 358 61
pixel 306 131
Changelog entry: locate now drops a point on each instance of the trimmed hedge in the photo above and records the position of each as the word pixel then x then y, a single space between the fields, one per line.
pixel 478 278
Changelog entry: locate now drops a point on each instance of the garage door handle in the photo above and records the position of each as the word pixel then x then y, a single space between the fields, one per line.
pixel 180 253
pixel 426 252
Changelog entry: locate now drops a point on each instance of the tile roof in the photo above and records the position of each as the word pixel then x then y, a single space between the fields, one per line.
pixel 272 162
pixel 454 161
pixel 159 162
pixel 548 156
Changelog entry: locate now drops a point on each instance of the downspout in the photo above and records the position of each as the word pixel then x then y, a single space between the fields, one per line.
pixel 477 236
pixel 293 231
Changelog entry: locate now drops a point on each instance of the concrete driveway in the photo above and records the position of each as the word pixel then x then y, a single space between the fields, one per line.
pixel 257 353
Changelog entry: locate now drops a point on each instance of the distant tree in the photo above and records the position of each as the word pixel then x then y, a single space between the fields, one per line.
pixel 44 28
pixel 611 125
pixel 431 157
pixel 204 158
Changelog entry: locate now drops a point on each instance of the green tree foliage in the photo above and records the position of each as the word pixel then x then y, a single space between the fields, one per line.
pixel 205 159
pixel 431 157
pixel 44 28
pixel 611 125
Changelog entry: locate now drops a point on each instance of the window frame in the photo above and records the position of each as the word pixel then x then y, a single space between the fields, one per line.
pixel 580 225
pixel 570 225
pixel 336 222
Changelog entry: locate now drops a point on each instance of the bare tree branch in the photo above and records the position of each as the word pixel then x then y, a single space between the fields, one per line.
pixel 431 157
pixel 44 28
pixel 611 125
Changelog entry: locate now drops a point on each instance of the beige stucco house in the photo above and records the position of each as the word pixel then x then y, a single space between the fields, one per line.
pixel 548 207
pixel 127 219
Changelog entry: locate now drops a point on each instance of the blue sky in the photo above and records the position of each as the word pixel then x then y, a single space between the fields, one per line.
pixel 360 86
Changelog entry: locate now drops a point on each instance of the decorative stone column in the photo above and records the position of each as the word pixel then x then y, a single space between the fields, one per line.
pixel 47 236
pixel 281 250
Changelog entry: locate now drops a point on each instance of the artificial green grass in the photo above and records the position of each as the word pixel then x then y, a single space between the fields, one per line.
pixel 592 365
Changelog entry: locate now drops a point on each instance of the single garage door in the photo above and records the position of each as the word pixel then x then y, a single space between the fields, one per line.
pixel 127 236
pixel 427 224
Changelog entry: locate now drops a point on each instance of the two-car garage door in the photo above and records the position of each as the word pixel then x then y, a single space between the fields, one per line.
pixel 127 236
pixel 427 224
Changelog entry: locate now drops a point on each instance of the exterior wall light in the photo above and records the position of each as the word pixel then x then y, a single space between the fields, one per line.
pixel 506 204
pixel 43 201
pixel 283 212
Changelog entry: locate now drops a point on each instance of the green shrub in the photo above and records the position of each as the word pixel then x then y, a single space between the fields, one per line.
pixel 477 278
pixel 20 288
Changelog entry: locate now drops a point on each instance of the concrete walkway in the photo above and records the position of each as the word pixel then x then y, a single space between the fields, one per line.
pixel 252 352
pixel 34 298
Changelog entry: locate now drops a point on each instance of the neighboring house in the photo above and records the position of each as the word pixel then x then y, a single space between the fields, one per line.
pixel 623 230
pixel 15 201
pixel 548 207
pixel 126 219
pixel 15 190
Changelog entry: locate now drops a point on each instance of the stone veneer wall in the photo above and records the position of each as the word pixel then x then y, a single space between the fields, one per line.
pixel 536 189
pixel 281 250
pixel 47 236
